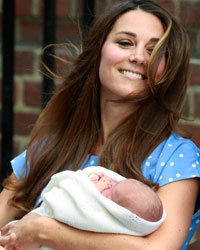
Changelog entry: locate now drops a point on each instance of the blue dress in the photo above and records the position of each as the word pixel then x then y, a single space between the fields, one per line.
pixel 173 160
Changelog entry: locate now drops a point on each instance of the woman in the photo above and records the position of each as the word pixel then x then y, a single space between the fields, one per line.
pixel 120 107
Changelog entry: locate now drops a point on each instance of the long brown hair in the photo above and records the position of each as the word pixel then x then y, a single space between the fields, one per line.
pixel 68 128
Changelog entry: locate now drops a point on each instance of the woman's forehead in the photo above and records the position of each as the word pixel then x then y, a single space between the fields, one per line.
pixel 139 22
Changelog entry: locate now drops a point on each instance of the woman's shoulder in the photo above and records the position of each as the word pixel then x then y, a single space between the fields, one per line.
pixel 174 141
pixel 18 164
pixel 181 149
pixel 174 159
pixel 178 146
pixel 178 140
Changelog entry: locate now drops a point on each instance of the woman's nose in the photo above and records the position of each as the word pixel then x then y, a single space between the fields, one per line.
pixel 138 56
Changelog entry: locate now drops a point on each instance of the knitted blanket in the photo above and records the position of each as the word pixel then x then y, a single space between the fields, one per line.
pixel 72 198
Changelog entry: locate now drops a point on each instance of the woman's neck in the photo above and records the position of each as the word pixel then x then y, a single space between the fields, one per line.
pixel 112 114
pixel 110 119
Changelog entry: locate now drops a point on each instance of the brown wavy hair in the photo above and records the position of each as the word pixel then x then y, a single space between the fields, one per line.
pixel 68 128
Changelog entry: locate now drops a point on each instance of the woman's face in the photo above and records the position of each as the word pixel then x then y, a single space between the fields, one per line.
pixel 126 52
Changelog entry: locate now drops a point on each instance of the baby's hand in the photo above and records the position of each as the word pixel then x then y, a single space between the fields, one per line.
pixel 102 181
pixel 97 176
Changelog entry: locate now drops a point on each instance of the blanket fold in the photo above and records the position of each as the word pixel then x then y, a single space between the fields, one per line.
pixel 72 198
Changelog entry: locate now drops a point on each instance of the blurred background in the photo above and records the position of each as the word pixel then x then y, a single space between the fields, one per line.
pixel 26 26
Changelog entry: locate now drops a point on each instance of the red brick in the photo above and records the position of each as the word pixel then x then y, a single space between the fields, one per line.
pixel 197 106
pixel 195 131
pixel 195 74
pixel 31 31
pixel 24 62
pixel 32 94
pixel 190 14
pixel 62 68
pixel 67 32
pixel 62 8
pixel 23 7
pixel 16 147
pixel 79 5
pixel 62 61
pixel 23 123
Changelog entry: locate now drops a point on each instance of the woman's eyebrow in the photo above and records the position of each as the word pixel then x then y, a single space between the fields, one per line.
pixel 127 33
pixel 155 40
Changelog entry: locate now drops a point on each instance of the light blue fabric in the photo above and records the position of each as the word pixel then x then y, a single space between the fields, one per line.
pixel 174 159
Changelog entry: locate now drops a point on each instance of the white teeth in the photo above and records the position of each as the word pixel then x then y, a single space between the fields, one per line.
pixel 129 73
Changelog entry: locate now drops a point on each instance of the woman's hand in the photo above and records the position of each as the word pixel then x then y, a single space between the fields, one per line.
pixel 2 248
pixel 22 234
pixel 8 242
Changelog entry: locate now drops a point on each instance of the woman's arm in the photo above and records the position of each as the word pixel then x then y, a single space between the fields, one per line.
pixel 7 212
pixel 178 200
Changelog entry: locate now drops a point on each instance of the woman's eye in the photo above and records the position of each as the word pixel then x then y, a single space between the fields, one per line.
pixel 124 43
pixel 150 50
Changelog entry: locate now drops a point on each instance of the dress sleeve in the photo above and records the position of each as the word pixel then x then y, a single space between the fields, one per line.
pixel 177 161
pixel 18 165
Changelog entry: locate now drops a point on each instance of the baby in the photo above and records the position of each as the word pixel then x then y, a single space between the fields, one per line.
pixel 132 195
pixel 122 205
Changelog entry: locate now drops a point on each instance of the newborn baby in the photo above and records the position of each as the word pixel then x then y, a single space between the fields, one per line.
pixel 132 195
pixel 121 205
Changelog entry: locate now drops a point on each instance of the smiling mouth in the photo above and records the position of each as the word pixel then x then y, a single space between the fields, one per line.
pixel 132 74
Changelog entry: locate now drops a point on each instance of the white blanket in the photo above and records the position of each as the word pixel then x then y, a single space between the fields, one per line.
pixel 72 198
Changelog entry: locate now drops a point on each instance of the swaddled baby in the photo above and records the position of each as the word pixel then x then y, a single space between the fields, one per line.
pixel 100 200
pixel 132 195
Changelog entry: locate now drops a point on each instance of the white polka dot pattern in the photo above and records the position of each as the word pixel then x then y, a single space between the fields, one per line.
pixel 174 160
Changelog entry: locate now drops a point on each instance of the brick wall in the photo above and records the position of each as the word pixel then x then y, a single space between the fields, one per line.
pixel 27 85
